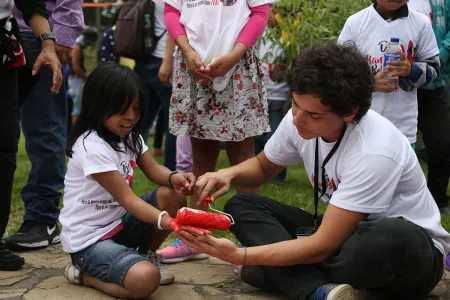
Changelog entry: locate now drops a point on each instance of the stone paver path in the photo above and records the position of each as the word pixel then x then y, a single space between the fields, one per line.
pixel 42 279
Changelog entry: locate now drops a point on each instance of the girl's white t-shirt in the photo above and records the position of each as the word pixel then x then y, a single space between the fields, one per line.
pixel 89 211
pixel 373 171
pixel 213 27
pixel 371 33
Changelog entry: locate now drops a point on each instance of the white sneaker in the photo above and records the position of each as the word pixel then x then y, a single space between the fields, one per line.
pixel 72 274
pixel 167 277
pixel 5 235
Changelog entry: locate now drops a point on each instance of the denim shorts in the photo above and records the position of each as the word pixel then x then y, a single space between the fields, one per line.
pixel 110 260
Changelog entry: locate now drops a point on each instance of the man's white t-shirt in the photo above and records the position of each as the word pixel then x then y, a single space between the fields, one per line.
pixel 213 27
pixel 373 171
pixel 371 34
pixel 160 29
pixel 267 53
pixel 89 211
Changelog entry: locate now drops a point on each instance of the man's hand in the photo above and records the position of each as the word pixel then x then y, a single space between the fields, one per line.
pixel 183 183
pixel 49 57
pixel 196 68
pixel 64 54
pixel 165 71
pixel 223 249
pixel 384 85
pixel 400 67
pixel 209 181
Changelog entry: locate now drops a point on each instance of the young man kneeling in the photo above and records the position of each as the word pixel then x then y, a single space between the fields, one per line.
pixel 381 230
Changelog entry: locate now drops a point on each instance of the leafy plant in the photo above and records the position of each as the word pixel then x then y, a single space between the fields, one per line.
pixel 302 22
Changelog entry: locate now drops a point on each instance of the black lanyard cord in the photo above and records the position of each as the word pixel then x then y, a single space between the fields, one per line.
pixel 316 172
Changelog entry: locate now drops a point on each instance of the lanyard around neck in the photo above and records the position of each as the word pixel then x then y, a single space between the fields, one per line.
pixel 316 172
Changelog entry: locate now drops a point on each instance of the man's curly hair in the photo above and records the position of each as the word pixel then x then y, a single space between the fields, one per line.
pixel 337 74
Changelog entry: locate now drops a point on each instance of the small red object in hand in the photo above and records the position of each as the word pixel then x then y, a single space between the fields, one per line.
pixel 199 220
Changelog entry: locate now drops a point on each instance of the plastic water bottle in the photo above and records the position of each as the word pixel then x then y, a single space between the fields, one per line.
pixel 148 30
pixel 391 54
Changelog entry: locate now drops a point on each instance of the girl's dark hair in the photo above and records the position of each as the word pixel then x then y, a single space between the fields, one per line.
pixel 109 90
pixel 337 74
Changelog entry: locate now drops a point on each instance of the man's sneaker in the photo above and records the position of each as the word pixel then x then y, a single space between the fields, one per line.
pixel 72 274
pixel 332 291
pixel 8 260
pixel 4 236
pixel 167 277
pixel 33 236
pixel 179 252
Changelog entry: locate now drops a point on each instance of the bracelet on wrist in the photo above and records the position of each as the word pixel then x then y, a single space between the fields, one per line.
pixel 160 217
pixel 169 179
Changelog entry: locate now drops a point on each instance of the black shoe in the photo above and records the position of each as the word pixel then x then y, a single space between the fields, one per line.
pixel 8 260
pixel 33 236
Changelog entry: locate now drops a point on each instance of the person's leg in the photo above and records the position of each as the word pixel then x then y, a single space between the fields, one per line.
pixel 184 154
pixel 43 117
pixel 275 118
pixel 114 269
pixel 205 154
pixel 159 132
pixel 153 106
pixel 8 150
pixel 76 86
pixel 434 123
pixel 385 257
pixel 238 152
pixel 261 221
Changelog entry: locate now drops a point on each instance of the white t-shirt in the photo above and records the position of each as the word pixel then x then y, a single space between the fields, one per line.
pixel 423 6
pixel 89 211
pixel 6 8
pixel 275 90
pixel 371 34
pixel 374 171
pixel 160 29
pixel 213 27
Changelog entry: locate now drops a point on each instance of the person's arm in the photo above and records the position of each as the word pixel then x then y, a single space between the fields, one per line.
pixel 114 183
pixel 76 62
pixel 177 31
pixel 368 184
pixel 252 31
pixel 68 22
pixel 165 71
pixel 35 15
pixel 418 74
pixel 156 173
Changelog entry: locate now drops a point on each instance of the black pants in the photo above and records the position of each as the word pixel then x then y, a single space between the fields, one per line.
pixel 434 123
pixel 9 124
pixel 391 257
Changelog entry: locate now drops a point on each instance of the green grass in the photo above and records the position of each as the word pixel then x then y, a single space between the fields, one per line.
pixel 297 191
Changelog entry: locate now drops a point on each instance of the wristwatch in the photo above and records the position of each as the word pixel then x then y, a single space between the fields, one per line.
pixel 46 36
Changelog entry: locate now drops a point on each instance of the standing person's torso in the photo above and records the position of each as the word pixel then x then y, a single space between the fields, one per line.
pixel 365 144
pixel 371 33
pixel 213 27
pixel 267 53
pixel 89 211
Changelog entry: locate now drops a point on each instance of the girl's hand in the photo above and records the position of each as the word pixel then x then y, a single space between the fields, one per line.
pixel 400 67
pixel 165 72
pixel 221 65
pixel 195 67
pixel 384 85
pixel 223 249
pixel 184 183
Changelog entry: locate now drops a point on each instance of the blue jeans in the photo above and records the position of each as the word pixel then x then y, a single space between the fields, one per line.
pixel 159 97
pixel 275 118
pixel 43 117
pixel 109 260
